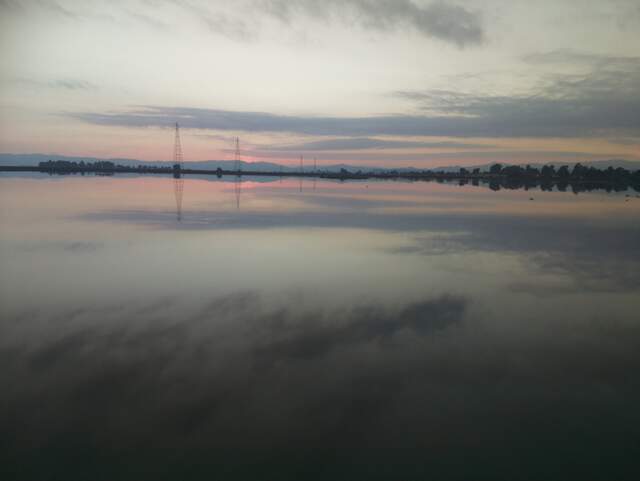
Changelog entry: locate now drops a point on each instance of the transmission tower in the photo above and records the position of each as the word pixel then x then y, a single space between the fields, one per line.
pixel 178 181
pixel 236 157
pixel 301 164
pixel 177 149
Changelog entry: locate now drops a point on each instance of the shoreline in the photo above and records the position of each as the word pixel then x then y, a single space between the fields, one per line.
pixel 498 180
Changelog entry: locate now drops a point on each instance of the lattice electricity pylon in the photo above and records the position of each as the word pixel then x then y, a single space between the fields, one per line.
pixel 177 148
pixel 236 158
pixel 178 181
pixel 301 164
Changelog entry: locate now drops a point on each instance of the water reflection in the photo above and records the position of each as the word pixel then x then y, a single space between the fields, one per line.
pixel 387 331
pixel 245 384
pixel 237 186
pixel 178 190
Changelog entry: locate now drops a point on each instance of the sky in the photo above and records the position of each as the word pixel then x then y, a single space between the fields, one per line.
pixel 389 83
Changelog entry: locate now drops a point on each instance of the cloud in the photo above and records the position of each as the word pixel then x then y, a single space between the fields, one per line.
pixel 626 141
pixel 576 57
pixel 605 102
pixel 602 101
pixel 442 20
pixel 222 23
pixel 55 7
pixel 59 83
pixel 48 6
pixel 149 21
pixel 500 119
pixel 243 21
pixel 363 143
pixel 72 84
pixel 199 118
pixel 508 156
pixel 11 6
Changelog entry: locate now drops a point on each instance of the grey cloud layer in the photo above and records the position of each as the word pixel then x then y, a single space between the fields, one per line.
pixel 602 102
pixel 441 20
pixel 58 83
pixel 605 99
pixel 362 143
pixel 487 155
pixel 494 117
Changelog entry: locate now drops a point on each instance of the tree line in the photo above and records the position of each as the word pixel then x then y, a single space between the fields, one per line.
pixel 579 172
pixel 69 165
pixel 579 177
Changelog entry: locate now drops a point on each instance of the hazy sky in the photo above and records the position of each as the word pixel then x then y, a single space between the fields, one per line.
pixel 376 82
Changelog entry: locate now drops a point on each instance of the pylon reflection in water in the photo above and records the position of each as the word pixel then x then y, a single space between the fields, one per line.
pixel 178 190
pixel 237 187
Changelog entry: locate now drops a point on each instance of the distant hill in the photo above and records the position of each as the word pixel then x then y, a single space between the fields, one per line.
pixel 34 159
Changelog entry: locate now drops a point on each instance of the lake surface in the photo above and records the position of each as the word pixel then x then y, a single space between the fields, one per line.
pixel 318 330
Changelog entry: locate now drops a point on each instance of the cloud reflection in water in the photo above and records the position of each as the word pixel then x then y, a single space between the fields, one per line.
pixel 333 339
pixel 246 382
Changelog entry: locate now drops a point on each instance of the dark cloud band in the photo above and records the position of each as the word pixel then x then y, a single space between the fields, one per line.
pixel 494 118
pixel 441 20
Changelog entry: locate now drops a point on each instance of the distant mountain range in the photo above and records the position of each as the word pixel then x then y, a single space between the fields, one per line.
pixel 34 159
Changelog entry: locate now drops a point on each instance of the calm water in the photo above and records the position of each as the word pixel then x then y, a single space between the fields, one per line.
pixel 381 330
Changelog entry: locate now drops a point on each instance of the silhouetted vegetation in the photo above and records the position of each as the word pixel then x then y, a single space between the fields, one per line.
pixel 99 167
pixel 579 178
pixel 66 165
